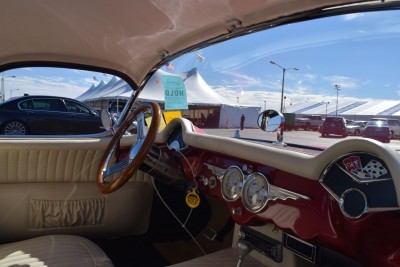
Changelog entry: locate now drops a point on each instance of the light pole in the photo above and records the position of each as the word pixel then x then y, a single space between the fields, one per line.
pixel 280 133
pixel 237 99
pixel 265 105
pixel 2 93
pixel 326 108
pixel 284 104
pixel 283 79
pixel 12 91
pixel 337 87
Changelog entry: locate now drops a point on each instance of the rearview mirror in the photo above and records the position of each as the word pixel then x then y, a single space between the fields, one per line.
pixel 270 120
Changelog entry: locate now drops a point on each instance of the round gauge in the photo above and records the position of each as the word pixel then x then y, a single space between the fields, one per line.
pixel 232 182
pixel 255 192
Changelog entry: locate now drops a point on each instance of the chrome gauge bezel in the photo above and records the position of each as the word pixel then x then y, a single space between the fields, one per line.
pixel 233 172
pixel 363 206
pixel 246 191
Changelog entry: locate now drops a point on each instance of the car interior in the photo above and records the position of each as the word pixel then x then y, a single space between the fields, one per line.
pixel 153 190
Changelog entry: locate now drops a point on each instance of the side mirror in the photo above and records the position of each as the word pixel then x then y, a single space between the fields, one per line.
pixel 109 120
pixel 270 120
pixel 106 119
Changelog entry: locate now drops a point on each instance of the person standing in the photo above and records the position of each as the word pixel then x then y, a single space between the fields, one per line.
pixel 242 118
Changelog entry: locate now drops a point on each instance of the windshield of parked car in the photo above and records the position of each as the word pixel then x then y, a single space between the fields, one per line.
pixel 341 66
pixel 377 124
pixel 356 123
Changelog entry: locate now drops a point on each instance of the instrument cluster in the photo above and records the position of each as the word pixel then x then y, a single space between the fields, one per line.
pixel 253 189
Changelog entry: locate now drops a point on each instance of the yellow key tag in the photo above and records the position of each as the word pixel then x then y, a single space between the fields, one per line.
pixel 192 199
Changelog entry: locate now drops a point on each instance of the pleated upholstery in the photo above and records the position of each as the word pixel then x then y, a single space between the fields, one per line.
pixel 49 166
pixel 54 161
pixel 49 187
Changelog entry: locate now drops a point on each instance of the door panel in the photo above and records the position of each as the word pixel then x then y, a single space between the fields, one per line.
pixel 49 187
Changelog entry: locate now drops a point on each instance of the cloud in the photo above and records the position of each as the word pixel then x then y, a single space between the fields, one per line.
pixel 56 86
pixel 343 81
pixel 244 80
pixel 354 16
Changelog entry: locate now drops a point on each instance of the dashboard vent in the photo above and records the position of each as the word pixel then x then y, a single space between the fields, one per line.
pixel 301 248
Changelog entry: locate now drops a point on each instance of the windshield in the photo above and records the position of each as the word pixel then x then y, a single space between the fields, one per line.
pixel 377 124
pixel 356 123
pixel 342 66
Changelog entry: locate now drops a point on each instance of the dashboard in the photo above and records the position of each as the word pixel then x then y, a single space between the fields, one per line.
pixel 360 182
pixel 335 198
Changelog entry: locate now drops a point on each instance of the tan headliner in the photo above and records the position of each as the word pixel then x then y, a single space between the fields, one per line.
pixel 125 35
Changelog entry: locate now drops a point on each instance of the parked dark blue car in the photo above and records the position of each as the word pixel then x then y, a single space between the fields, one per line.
pixel 378 130
pixel 40 115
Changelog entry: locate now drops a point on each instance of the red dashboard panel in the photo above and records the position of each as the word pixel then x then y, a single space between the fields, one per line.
pixel 369 239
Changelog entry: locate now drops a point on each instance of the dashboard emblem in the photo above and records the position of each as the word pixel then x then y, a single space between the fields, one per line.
pixel 374 169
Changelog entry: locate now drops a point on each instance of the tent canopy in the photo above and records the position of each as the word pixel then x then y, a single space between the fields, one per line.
pixel 198 91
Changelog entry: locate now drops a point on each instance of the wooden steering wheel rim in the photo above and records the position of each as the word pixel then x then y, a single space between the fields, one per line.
pixel 134 165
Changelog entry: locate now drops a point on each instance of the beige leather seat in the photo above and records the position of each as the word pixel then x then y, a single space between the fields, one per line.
pixel 53 250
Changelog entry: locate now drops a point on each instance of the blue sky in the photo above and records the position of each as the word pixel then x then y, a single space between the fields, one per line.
pixel 50 81
pixel 359 52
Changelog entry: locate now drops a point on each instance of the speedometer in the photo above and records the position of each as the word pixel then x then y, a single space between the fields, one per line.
pixel 255 192
pixel 232 182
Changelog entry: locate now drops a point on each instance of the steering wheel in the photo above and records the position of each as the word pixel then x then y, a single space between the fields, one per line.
pixel 121 171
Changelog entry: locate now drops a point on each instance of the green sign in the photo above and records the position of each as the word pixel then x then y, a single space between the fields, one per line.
pixel 174 93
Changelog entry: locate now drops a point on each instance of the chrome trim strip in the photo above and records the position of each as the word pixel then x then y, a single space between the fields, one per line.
pixel 218 172
pixel 283 194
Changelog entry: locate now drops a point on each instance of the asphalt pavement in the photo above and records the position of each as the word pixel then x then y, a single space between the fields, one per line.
pixel 307 138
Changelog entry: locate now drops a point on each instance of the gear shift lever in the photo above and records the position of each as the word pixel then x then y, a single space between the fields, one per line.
pixel 245 247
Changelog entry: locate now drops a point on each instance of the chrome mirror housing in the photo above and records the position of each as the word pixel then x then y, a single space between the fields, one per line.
pixel 107 119
pixel 270 120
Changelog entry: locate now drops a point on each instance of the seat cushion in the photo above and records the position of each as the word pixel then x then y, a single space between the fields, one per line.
pixel 53 250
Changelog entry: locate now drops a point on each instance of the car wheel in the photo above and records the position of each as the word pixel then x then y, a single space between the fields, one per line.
pixel 14 128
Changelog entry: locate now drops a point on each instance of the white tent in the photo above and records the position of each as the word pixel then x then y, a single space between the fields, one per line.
pixel 114 88
pixel 199 94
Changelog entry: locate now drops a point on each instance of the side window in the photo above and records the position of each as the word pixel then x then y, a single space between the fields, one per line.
pixel 26 104
pixel 75 107
pixel 48 105
pixel 58 101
